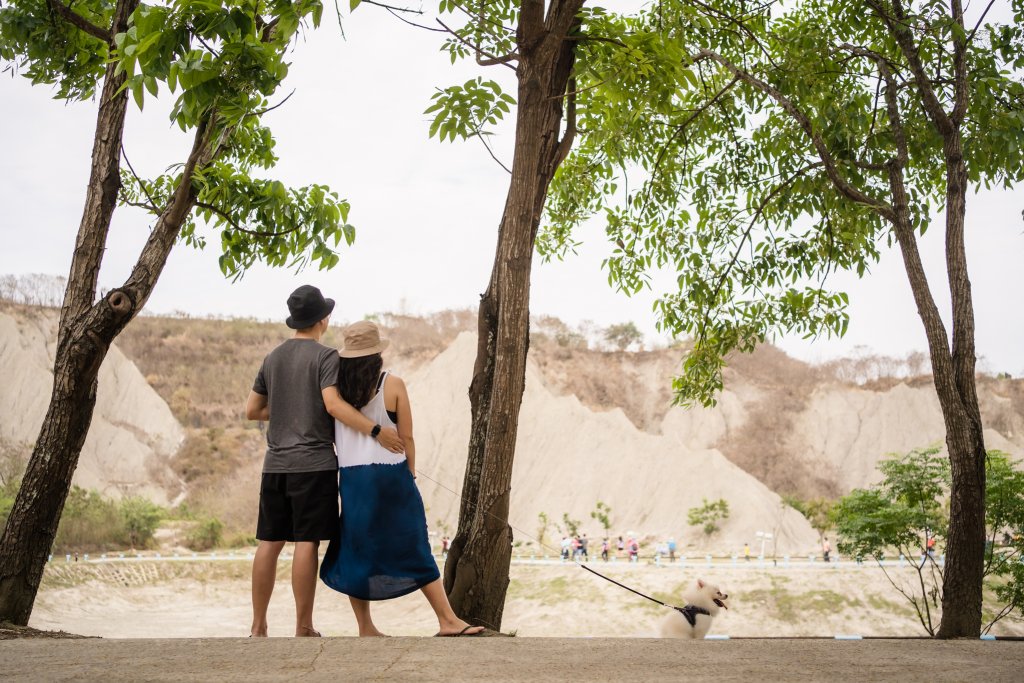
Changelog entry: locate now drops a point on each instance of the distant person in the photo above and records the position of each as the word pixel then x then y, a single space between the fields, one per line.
pixel 295 390
pixel 604 550
pixel 620 547
pixel 566 547
pixel 671 549
pixel 826 548
pixel 584 542
pixel 575 548
pixel 746 552
pixel 444 548
pixel 634 550
pixel 931 546
pixel 380 500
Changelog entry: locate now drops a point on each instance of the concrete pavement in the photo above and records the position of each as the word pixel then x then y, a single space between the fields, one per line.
pixel 510 659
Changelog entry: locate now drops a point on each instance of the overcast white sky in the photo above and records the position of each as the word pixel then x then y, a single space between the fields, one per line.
pixel 428 210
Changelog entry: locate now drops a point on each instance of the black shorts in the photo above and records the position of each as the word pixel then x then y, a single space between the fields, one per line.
pixel 298 506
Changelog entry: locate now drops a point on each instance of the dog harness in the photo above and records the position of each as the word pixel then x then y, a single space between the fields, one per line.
pixel 690 613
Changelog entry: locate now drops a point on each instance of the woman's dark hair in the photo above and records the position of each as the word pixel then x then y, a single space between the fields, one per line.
pixel 357 378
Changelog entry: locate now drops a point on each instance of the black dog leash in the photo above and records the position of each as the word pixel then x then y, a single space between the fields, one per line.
pixel 690 612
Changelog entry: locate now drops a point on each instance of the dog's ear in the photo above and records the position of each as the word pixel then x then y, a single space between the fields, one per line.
pixel 700 583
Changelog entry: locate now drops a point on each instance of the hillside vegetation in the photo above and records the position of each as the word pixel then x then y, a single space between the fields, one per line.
pixel 794 429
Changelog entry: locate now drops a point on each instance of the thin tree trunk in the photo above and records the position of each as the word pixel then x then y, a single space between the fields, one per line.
pixel 29 532
pixel 953 376
pixel 83 340
pixel 476 572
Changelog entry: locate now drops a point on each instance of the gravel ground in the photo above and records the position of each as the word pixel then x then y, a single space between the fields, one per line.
pixel 510 659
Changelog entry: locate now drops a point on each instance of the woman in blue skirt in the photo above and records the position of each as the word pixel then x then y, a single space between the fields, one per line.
pixel 383 551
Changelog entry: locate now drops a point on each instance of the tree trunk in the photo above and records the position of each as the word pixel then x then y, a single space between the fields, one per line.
pixel 86 332
pixel 476 572
pixel 953 376
pixel 32 525
pixel 965 439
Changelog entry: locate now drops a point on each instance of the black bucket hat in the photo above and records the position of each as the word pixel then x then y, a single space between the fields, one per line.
pixel 307 306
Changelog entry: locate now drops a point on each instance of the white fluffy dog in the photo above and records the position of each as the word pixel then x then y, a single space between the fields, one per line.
pixel 701 604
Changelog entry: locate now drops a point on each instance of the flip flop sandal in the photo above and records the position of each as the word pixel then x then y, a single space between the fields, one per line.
pixel 461 634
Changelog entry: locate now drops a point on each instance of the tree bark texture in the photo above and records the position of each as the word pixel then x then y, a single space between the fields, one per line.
pixel 476 571
pixel 965 440
pixel 953 360
pixel 86 330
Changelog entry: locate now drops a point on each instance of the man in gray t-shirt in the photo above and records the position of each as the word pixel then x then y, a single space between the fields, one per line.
pixel 296 391
pixel 301 435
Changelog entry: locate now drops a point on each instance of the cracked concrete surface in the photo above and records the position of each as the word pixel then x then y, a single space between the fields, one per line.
pixel 509 659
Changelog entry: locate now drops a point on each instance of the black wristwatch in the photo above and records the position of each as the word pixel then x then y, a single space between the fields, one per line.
pixel 375 432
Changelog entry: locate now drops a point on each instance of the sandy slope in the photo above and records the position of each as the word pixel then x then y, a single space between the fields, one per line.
pixel 568 457
pixel 133 434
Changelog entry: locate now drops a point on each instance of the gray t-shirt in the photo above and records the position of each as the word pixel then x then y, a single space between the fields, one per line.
pixel 301 433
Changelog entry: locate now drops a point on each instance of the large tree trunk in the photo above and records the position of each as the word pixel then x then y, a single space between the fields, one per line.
pixel 965 440
pixel 86 331
pixel 476 572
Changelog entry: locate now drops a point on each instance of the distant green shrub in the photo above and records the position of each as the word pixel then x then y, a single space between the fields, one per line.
pixel 89 522
pixel 708 515
pixel 207 534
pixel 141 518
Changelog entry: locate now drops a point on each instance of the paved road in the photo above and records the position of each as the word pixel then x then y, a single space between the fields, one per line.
pixel 510 659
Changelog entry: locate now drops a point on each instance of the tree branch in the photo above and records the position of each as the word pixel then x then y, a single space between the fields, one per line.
pixel 746 235
pixel 891 99
pixel 248 231
pixel 491 59
pixel 565 144
pixel 142 185
pixel 904 38
pixel 961 92
pixel 392 8
pixel 840 183
pixel 80 22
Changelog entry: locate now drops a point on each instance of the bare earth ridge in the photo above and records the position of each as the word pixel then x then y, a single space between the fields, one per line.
pixel 510 659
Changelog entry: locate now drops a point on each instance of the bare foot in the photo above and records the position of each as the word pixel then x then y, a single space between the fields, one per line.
pixel 306 632
pixel 258 632
pixel 372 632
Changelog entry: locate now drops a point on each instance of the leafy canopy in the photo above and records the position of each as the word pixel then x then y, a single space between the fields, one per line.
pixel 222 62
pixel 702 130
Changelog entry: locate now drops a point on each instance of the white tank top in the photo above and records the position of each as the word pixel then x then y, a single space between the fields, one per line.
pixel 355 448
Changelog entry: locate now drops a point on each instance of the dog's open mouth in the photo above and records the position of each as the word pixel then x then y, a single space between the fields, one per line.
pixel 720 603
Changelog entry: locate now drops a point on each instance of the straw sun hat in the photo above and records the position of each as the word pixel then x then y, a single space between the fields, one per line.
pixel 362 339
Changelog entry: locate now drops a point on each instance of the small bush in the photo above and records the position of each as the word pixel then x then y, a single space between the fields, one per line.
pixel 89 522
pixel 141 518
pixel 207 534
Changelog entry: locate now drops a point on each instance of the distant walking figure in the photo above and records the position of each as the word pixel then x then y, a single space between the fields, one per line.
pixel 826 548
pixel 383 549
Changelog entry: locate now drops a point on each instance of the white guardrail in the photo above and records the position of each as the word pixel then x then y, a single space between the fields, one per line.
pixel 658 562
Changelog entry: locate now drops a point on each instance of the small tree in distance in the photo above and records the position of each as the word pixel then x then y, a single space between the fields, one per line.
pixel 624 335
pixel 708 515
pixel 543 524
pixel 572 526
pixel 602 513
pixel 908 508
